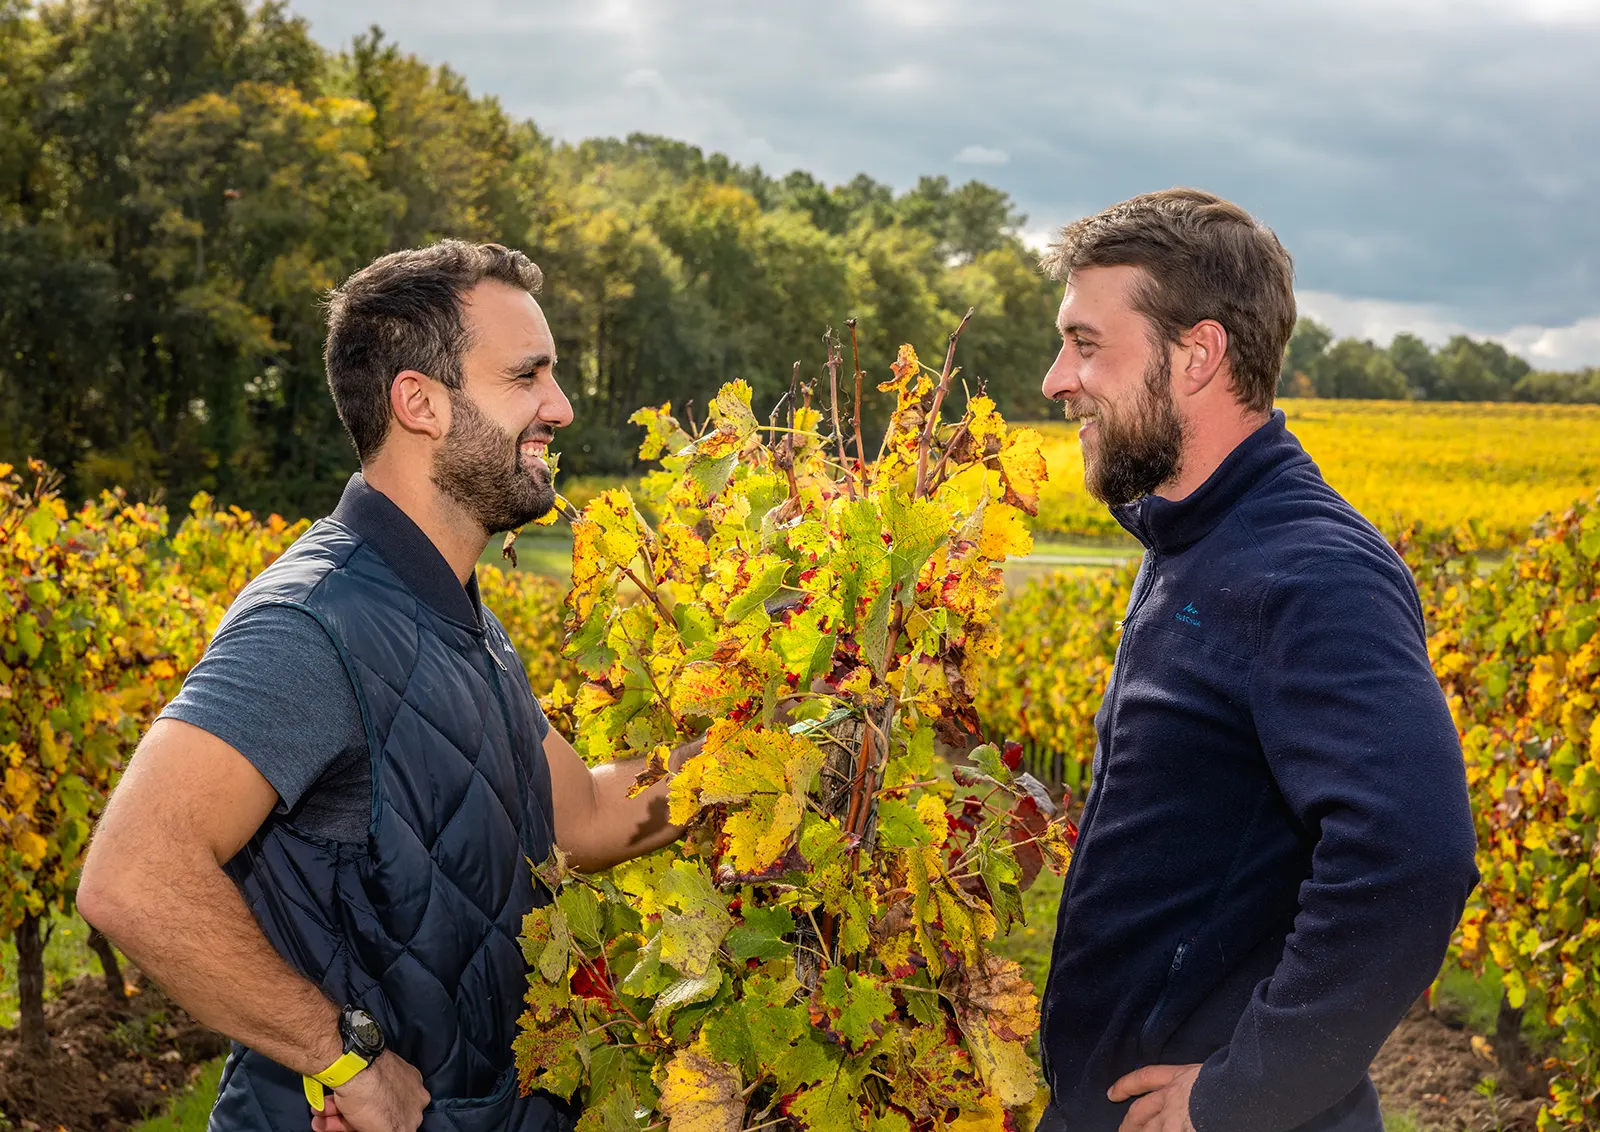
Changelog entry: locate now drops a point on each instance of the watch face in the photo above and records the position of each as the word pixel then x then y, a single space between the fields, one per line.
pixel 365 1032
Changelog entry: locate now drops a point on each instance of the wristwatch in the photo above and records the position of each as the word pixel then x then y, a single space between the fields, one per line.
pixel 363 1042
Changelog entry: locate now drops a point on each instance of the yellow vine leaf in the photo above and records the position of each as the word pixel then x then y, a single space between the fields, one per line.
pixel 694 919
pixel 730 410
pixel 991 1117
pixel 32 847
pixel 759 835
pixel 1022 469
pixel 1002 533
pixel 701 1094
pixel 986 424
pixel 1006 1069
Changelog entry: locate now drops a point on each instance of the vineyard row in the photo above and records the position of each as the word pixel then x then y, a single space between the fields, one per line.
pixel 104 612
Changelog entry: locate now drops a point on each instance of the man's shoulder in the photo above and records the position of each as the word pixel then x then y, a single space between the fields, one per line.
pixel 273 687
pixel 262 647
pixel 1306 533
pixel 325 571
pixel 327 546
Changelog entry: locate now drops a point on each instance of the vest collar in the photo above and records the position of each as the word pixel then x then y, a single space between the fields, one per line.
pixel 1168 526
pixel 410 553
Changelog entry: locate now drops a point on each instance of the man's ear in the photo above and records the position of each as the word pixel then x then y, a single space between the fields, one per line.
pixel 420 404
pixel 1205 348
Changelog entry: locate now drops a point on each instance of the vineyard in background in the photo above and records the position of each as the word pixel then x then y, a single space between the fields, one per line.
pixel 1491 469
pixel 103 612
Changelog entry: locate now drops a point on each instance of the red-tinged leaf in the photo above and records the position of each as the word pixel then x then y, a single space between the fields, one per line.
pixel 1028 823
pixel 834 1104
pixel 1011 754
pixel 958 724
pixel 791 861
pixel 547 1057
pixel 592 980
pixel 933 1077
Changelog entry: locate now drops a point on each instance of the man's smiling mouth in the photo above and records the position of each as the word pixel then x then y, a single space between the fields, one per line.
pixel 534 453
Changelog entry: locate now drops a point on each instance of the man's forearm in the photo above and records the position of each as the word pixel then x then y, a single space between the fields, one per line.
pixel 1358 958
pixel 191 932
pixel 622 827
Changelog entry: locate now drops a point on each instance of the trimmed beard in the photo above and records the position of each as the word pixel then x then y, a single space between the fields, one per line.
pixel 480 467
pixel 1136 455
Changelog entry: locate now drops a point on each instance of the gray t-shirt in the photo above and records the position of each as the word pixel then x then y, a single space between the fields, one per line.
pixel 271 685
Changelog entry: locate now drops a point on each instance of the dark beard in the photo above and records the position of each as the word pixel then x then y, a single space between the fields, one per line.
pixel 480 467
pixel 1135 456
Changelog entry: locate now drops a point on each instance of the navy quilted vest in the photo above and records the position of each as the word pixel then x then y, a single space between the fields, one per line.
pixel 418 926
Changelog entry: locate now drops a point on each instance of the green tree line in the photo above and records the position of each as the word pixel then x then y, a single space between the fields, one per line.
pixel 1463 369
pixel 181 181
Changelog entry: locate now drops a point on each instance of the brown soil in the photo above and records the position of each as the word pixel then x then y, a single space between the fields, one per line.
pixel 1431 1067
pixel 110 1065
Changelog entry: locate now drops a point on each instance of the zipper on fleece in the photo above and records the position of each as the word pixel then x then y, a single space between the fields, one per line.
pixel 1095 790
pixel 1105 761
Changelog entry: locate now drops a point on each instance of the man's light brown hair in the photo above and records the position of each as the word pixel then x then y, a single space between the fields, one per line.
pixel 403 311
pixel 1203 257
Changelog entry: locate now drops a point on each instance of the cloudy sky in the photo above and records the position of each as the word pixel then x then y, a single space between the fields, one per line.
pixel 1433 165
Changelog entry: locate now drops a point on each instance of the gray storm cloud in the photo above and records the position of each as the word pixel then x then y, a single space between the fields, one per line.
pixel 1441 159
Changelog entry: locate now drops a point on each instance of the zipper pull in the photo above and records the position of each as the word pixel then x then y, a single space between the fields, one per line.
pixel 489 648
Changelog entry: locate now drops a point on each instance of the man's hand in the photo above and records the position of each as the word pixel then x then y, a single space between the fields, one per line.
pixel 386 1096
pixel 1163 1092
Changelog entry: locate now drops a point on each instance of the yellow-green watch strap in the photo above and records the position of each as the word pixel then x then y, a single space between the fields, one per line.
pixel 337 1074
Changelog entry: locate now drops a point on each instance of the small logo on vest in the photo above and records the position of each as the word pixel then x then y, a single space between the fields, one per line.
pixel 1189 615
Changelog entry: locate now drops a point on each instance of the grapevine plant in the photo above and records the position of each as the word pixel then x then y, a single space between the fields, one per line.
pixel 1518 654
pixel 100 618
pixel 815 953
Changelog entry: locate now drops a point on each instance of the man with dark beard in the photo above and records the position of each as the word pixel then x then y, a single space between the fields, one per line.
pixel 1277 844
pixel 323 847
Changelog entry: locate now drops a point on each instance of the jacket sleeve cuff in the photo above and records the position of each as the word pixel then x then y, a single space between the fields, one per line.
pixel 1214 1105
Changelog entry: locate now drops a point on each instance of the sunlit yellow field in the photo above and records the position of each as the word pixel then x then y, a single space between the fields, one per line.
pixel 1497 465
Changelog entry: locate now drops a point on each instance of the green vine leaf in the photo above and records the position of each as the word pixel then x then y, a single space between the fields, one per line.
pixel 852 1008
pixel 816 951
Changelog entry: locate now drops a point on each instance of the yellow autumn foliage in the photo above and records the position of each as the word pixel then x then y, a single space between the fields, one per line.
pixel 1490 468
pixel 101 617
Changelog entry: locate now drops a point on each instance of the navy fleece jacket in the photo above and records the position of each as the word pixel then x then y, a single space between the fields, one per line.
pixel 1277 844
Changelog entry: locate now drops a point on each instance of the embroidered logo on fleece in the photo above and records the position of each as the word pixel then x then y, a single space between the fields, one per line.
pixel 1189 615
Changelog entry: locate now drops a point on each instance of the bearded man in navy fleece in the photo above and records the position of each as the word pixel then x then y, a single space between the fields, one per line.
pixel 1277 844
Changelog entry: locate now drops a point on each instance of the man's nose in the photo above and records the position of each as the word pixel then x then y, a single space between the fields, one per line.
pixel 556 410
pixel 1061 379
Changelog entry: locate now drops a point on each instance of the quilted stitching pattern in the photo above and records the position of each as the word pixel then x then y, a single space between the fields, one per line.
pixel 422 930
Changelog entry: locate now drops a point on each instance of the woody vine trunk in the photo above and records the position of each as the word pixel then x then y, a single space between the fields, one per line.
pixel 34 1038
